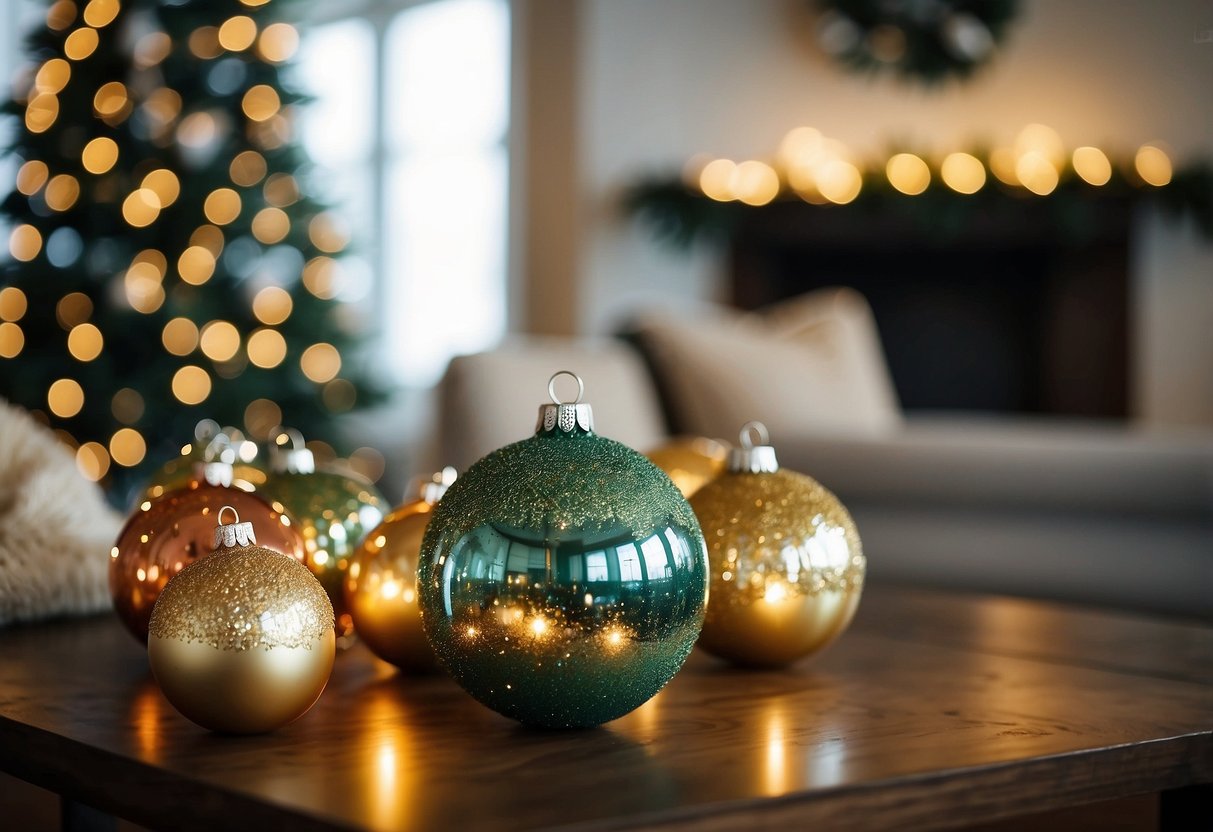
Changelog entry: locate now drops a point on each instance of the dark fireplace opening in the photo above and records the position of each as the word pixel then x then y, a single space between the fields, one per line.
pixel 1016 312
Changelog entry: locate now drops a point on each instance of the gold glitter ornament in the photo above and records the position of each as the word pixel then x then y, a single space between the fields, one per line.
pixel 786 560
pixel 690 461
pixel 242 641
pixel 333 511
pixel 165 535
pixel 381 583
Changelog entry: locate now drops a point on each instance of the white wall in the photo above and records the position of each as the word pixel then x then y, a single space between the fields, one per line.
pixel 661 80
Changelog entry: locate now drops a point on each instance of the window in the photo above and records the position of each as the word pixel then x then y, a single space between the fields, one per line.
pixel 409 138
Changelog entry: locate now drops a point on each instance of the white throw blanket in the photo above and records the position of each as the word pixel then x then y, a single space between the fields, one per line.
pixel 55 526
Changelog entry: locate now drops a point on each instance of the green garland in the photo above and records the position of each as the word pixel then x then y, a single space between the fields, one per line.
pixel 921 40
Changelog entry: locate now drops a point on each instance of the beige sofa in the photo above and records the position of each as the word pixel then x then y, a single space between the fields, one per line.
pixel 1106 514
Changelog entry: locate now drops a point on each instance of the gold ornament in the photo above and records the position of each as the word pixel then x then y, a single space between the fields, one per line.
pixel 165 535
pixel 786 561
pixel 242 641
pixel 690 461
pixel 212 444
pixel 381 584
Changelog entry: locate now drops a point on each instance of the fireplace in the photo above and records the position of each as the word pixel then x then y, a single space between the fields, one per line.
pixel 1015 308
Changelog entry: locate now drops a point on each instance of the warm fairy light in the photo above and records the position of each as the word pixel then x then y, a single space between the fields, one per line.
pixel 339 395
pixel 800 143
pixel 281 190
pixel 237 33
pixel 326 233
pixel 110 99
pixel 539 625
pixel 755 183
pixel 716 179
pixel 220 340
pixel 775 591
pixel 99 155
pixel 222 206
pixel 191 384
pixel 163 105
pixel 271 225
pixel 13 304
pixel 908 173
pixel 272 305
pixel 278 42
pixel 196 265
pixel 143 291
pixel 1002 165
pixel 72 309
pixel 41 112
pixel 154 258
pixel 839 181
pixel 53 76
pixel 204 42
pixel 180 336
pixel 65 398
pixel 247 169
pixel 165 185
pixel 141 207
pixel 963 173
pixel 127 405
pixel 197 130
pixel 84 342
pixel 92 460
pixel 24 243
pixel 1092 165
pixel 12 340
pixel 320 277
pixel 254 2
pixel 271 133
pixel 151 49
pixel 262 416
pixel 62 192
pixel 32 176
pixel 61 14
pixel 80 43
pixel 1043 140
pixel 100 13
pixel 209 237
pixel 320 362
pixel 260 102
pixel 127 447
pixel 1153 165
pixel 1036 173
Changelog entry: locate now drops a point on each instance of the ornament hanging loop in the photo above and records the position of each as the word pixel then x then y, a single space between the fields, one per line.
pixel 228 535
pixel 751 429
pixel 297 460
pixel 552 387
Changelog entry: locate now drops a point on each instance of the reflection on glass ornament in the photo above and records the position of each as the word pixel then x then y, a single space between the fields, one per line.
pixel 241 642
pixel 381 584
pixel 211 444
pixel 787 564
pixel 563 578
pixel 165 535
pixel 332 510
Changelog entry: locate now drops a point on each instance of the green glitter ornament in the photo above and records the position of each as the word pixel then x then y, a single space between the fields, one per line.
pixel 334 512
pixel 563 579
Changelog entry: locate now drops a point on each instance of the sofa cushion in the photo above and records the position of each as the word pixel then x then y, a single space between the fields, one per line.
pixel 809 367
pixel 491 399
pixel 1017 464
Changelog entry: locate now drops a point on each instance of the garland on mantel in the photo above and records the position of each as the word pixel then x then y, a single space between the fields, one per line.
pixel 943 198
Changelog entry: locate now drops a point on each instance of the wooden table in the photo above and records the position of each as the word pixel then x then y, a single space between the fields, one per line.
pixel 934 711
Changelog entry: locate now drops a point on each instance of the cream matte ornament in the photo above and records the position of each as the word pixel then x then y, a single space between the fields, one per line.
pixel 786 561
pixel 242 641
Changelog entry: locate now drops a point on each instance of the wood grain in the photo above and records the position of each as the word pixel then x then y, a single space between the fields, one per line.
pixel 896 726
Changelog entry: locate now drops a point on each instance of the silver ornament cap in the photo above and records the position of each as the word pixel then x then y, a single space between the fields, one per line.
pixel 751 458
pixel 562 416
pixel 231 535
pixel 297 459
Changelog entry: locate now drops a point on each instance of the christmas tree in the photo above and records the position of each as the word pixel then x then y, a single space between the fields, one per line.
pixel 166 264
